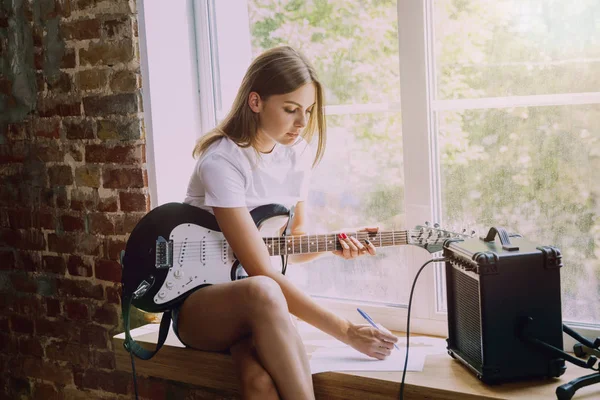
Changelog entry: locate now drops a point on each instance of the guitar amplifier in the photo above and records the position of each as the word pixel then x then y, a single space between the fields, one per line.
pixel 493 289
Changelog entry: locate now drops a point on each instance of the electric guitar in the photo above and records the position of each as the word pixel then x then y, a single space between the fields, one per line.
pixel 177 248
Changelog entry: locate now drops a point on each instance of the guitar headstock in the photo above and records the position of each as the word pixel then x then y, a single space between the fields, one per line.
pixel 432 238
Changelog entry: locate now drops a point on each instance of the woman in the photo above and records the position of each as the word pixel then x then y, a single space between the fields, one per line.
pixel 259 155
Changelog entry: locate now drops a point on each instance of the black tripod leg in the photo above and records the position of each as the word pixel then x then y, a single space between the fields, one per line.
pixel 567 391
pixel 592 345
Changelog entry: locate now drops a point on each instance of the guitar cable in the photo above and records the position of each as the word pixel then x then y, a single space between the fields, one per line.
pixel 135 386
pixel 433 260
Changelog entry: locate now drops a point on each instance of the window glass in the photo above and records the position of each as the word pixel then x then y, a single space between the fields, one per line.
pixel 352 43
pixel 498 48
pixel 534 171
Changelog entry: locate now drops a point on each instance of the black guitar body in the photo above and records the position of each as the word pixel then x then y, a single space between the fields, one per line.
pixel 140 258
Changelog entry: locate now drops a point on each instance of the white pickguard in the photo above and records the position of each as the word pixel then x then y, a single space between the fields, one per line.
pixel 203 256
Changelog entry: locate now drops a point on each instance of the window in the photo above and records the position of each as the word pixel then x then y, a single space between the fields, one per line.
pixel 472 113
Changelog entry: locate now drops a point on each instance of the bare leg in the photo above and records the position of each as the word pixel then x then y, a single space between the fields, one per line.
pixel 216 317
pixel 256 382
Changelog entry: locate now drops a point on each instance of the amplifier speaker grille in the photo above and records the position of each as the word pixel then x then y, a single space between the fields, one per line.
pixel 468 318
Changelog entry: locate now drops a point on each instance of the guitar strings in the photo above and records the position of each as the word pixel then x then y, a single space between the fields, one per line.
pixel 216 246
pixel 219 254
pixel 306 241
pixel 286 242
pixel 317 237
pixel 297 247
pixel 211 254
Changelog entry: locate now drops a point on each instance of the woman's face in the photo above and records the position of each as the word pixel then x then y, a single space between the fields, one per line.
pixel 282 117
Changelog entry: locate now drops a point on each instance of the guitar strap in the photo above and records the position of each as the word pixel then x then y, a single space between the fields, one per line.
pixel 287 232
pixel 288 228
pixel 130 345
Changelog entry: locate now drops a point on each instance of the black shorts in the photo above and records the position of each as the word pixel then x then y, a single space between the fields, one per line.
pixel 174 319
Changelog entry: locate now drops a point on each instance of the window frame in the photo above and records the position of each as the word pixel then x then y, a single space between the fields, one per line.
pixel 169 95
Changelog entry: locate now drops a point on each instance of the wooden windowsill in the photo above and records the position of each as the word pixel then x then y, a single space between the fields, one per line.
pixel 442 377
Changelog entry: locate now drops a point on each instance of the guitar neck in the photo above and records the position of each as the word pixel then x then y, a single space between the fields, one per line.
pixel 289 245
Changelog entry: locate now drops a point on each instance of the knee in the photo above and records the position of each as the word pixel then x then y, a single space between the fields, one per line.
pixel 264 294
pixel 258 384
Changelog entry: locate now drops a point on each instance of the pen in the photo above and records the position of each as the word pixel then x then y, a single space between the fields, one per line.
pixel 369 320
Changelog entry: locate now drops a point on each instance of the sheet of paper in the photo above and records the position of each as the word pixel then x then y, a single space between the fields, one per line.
pixel 348 359
pixel 325 343
pixel 427 344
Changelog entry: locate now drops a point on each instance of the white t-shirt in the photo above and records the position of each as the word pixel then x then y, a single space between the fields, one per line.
pixel 227 175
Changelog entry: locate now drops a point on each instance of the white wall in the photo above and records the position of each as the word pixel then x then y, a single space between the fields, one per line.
pixel 170 95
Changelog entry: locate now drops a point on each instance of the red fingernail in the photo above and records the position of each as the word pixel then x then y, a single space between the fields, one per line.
pixel 343 236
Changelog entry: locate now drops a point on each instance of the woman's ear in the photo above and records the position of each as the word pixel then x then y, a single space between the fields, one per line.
pixel 255 102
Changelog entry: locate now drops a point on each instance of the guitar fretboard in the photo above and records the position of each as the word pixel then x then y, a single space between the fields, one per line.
pixel 282 245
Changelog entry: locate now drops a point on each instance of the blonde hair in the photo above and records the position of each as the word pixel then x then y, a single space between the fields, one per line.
pixel 279 70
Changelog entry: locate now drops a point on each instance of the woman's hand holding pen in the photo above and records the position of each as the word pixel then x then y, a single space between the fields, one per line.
pixel 352 247
pixel 370 341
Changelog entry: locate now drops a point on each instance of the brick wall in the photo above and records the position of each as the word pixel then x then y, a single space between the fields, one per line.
pixel 73 183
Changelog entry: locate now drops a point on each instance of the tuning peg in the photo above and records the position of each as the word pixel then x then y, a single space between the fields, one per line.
pixel 436 225
pixel 473 233
pixel 427 224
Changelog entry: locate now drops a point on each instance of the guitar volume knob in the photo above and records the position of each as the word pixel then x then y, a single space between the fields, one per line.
pixel 169 285
pixel 162 295
pixel 178 274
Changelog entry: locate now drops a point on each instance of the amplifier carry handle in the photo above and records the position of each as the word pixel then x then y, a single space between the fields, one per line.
pixel 504 238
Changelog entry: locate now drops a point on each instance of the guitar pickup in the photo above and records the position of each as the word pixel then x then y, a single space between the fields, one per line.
pixel 164 253
pixel 224 251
